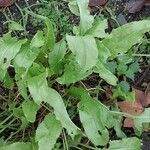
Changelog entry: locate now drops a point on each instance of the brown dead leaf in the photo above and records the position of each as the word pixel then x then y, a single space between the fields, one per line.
pixel 134 6
pixel 146 101
pixel 94 3
pixel 6 3
pixel 144 98
pixel 135 108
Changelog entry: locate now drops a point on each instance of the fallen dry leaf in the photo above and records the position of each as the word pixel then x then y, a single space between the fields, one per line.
pixel 6 3
pixel 135 108
pixel 134 6
pixel 94 3
pixel 144 98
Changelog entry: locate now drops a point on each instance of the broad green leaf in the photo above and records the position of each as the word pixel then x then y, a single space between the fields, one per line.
pixel 56 55
pixel 26 56
pixel 50 36
pixel 86 20
pixel 74 7
pixel 123 38
pixel 73 73
pixel 103 52
pixel 141 119
pixel 95 117
pixel 125 87
pixel 14 26
pixel 85 50
pixel 30 109
pixel 105 74
pixel 98 28
pixel 123 91
pixel 17 146
pixel 41 92
pixel 118 119
pixel 38 40
pixel 48 132
pixel 125 144
pixel 133 68
pixel 9 47
pixel 112 65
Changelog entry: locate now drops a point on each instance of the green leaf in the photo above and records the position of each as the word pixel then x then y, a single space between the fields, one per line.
pixel 73 6
pixel 105 74
pixel 125 144
pixel 133 68
pixel 112 65
pixel 9 47
pixel 17 146
pixel 98 28
pixel 30 109
pixel 48 132
pixel 86 20
pixel 103 52
pixel 141 119
pixel 125 87
pixel 73 73
pixel 50 36
pixel 122 68
pixel 85 50
pixel 122 91
pixel 38 40
pixel 41 92
pixel 14 26
pixel 26 56
pixel 56 55
pixel 95 117
pixel 123 38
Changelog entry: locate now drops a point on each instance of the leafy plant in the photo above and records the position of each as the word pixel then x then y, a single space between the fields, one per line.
pixel 42 62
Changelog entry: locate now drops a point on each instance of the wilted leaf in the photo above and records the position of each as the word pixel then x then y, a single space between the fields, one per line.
pixel 48 132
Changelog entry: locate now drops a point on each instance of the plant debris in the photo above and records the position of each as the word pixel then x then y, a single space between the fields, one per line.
pixel 136 5
pixel 6 3
pixel 94 3
pixel 142 100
